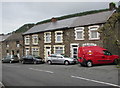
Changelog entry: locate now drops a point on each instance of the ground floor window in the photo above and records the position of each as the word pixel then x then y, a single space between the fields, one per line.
pixel 59 49
pixel 35 51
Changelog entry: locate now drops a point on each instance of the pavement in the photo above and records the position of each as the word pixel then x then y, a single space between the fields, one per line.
pixel 1 84
pixel 20 75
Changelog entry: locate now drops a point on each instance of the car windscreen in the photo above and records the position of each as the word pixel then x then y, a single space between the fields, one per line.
pixel 7 57
pixel 107 52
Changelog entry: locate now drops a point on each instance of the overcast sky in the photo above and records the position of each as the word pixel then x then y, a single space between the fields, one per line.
pixel 16 14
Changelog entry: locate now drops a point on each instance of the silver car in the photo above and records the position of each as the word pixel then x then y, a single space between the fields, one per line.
pixel 61 59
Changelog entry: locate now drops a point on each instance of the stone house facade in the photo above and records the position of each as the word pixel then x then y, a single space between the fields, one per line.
pixel 13 45
pixel 65 36
pixel 2 39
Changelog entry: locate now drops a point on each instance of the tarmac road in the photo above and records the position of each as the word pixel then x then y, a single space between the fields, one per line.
pixel 28 75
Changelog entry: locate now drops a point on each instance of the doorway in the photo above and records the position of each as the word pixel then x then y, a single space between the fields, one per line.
pixel 74 50
pixel 47 52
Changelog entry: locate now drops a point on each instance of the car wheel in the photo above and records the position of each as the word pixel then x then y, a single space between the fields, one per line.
pixel 89 64
pixel 35 62
pixel 49 62
pixel 10 61
pixel 23 62
pixel 66 62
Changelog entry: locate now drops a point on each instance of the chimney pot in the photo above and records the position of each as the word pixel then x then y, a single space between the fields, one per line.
pixel 112 6
pixel 53 19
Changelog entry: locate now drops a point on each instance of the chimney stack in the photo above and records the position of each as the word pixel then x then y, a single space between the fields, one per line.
pixel 53 19
pixel 112 6
pixel 119 4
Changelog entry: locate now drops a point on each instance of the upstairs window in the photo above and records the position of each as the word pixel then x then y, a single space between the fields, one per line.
pixel 58 36
pixel 27 40
pixel 93 33
pixel 47 37
pixel 35 39
pixel 79 33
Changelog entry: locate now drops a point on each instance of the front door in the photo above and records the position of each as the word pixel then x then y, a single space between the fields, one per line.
pixel 47 52
pixel 74 50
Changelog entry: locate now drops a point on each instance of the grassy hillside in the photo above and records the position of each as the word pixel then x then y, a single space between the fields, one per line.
pixel 24 28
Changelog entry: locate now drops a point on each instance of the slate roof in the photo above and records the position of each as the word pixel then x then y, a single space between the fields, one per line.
pixel 96 18
pixel 4 37
pixel 14 37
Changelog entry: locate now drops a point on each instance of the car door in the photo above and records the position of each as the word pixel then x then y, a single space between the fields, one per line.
pixel 7 59
pixel 60 59
pixel 54 59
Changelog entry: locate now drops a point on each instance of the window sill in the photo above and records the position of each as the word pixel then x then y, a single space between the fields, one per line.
pixel 79 39
pixel 47 42
pixel 59 42
pixel 95 39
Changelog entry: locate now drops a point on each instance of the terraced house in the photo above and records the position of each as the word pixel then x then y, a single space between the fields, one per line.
pixel 65 36
pixel 2 48
pixel 13 45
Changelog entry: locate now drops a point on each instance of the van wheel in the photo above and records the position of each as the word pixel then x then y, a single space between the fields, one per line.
pixel 66 62
pixel 49 62
pixel 89 64
pixel 115 61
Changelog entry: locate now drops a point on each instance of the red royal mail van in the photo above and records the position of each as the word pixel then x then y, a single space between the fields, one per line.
pixel 90 55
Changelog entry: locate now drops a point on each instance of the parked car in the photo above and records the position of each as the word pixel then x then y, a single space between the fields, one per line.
pixel 10 59
pixel 90 55
pixel 61 59
pixel 31 59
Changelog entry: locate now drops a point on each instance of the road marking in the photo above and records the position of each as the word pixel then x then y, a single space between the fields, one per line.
pixel 1 84
pixel 41 70
pixel 95 81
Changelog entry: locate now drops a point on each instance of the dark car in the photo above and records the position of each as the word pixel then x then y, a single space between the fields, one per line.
pixel 31 59
pixel 10 59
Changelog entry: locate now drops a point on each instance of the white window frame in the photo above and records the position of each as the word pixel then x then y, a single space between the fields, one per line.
pixel 79 29
pixel 59 35
pixel 59 46
pixel 33 39
pixel 35 49
pixel 45 41
pixel 27 37
pixel 93 28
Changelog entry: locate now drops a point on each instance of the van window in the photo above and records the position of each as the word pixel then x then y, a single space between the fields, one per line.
pixel 107 52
